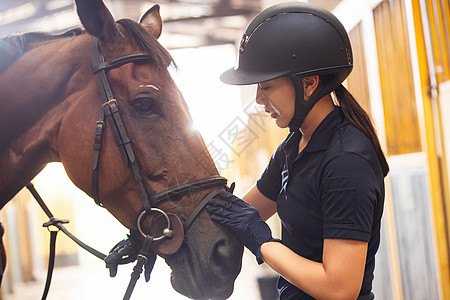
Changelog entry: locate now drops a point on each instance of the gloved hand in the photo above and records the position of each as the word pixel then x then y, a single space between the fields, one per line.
pixel 241 218
pixel 125 252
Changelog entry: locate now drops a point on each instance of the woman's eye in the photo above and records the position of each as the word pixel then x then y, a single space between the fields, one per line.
pixel 146 105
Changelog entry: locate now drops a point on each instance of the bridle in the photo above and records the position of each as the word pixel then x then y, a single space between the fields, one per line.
pixel 172 228
pixel 110 111
pixel 151 200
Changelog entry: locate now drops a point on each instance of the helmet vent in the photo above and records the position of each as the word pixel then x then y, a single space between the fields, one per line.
pixel 349 56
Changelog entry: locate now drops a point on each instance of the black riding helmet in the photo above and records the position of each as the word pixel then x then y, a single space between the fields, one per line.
pixel 293 39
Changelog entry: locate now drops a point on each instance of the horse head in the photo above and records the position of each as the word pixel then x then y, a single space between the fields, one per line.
pixel 168 152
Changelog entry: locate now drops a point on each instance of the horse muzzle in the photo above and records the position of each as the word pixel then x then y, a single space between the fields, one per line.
pixel 206 266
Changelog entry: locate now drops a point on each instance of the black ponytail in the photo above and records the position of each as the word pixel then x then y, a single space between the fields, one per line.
pixel 356 115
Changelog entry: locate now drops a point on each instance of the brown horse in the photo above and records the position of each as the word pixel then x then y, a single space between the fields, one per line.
pixel 50 105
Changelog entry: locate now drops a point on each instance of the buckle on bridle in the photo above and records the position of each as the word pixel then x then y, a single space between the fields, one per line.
pixel 109 102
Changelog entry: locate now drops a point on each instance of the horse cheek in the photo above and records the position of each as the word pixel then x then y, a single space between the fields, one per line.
pixel 76 138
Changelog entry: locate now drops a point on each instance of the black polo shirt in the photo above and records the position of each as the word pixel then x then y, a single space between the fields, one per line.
pixel 333 189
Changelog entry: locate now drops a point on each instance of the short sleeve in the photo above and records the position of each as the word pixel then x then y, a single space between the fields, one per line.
pixel 349 193
pixel 269 184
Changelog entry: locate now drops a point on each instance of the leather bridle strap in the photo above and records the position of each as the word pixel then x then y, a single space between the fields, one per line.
pixel 178 190
pixel 59 224
pixel 51 263
pixel 110 112
pixel 121 60
pixel 53 234
pixel 198 209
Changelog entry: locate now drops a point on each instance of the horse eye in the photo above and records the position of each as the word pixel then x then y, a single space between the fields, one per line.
pixel 146 105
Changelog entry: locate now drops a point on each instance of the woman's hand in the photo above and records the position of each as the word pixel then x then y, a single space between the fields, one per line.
pixel 241 218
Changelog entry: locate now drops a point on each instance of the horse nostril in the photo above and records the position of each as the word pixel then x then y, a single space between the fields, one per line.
pixel 220 253
pixel 223 258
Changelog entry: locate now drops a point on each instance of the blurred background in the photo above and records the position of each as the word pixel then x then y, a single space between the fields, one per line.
pixel 401 77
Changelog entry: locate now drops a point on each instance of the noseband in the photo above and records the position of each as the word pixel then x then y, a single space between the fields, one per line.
pixel 109 111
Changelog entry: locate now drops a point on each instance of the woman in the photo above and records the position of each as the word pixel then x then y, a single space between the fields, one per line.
pixel 326 179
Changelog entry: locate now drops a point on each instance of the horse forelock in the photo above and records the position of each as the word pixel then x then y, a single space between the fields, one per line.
pixel 14 46
pixel 147 43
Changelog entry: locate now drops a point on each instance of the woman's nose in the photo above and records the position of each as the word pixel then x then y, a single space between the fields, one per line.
pixel 260 96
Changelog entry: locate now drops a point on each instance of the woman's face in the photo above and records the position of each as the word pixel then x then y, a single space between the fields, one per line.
pixel 278 98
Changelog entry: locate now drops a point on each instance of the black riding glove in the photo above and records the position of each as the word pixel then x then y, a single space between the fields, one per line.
pixel 125 252
pixel 241 218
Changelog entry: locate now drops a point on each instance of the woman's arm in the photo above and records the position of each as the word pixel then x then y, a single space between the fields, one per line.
pixel 264 205
pixel 338 277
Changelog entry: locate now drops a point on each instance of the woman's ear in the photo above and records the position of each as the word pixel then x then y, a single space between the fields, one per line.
pixel 310 84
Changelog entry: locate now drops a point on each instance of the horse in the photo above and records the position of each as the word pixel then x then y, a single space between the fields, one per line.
pixel 50 113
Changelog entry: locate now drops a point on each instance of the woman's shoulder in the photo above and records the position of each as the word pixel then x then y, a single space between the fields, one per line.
pixel 350 140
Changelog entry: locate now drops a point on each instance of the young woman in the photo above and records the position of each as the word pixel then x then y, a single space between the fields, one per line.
pixel 326 179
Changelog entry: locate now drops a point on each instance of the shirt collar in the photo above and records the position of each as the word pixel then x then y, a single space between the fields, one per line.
pixel 324 133
pixel 321 137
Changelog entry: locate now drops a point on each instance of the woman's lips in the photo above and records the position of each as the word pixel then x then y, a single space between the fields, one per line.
pixel 273 115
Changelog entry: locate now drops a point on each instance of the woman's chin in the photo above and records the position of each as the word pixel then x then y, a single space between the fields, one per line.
pixel 281 123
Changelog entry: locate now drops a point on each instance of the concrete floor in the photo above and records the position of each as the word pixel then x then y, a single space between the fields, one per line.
pixel 93 282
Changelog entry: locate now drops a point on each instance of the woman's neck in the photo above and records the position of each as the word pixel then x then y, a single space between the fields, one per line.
pixel 317 114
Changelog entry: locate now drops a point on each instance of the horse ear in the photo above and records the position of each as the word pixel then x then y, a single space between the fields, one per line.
pixel 96 19
pixel 152 21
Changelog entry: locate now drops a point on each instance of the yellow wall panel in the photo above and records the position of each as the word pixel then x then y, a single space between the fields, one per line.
pixel 402 131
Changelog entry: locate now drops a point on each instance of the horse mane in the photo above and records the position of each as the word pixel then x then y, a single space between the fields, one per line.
pixel 147 43
pixel 14 46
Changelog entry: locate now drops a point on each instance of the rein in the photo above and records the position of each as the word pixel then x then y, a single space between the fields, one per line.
pixel 53 221
pixel 173 230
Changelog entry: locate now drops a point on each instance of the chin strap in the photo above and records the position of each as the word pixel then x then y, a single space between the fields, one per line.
pixel 303 107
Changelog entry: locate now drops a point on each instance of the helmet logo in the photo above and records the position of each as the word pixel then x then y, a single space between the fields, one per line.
pixel 243 43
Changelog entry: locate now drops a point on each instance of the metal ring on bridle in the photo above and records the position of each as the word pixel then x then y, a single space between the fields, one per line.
pixel 144 213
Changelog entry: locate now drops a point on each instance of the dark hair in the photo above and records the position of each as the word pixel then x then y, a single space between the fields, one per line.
pixel 356 115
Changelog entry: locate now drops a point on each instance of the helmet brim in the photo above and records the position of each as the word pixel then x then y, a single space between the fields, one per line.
pixel 239 77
